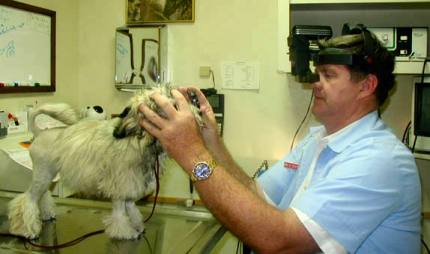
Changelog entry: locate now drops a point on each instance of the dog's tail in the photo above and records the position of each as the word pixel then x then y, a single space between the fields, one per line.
pixel 61 112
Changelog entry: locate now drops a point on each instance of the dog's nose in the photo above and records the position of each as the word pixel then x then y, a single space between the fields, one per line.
pixel 119 133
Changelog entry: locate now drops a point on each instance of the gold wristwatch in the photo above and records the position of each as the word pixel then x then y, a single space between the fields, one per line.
pixel 203 170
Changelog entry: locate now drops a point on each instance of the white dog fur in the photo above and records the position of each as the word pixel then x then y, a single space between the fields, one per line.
pixel 113 159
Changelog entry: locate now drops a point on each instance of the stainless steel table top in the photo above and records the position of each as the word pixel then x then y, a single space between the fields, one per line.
pixel 172 229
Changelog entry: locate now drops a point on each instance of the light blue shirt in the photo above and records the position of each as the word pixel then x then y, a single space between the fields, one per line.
pixel 365 190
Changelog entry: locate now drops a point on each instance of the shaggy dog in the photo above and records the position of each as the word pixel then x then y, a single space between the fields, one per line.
pixel 113 159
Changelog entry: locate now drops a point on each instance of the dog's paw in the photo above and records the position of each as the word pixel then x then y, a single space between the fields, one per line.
pixel 119 227
pixel 24 217
pixel 122 233
pixel 140 228
pixel 47 215
pixel 28 228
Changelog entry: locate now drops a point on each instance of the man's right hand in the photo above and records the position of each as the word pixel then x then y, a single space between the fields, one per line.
pixel 209 130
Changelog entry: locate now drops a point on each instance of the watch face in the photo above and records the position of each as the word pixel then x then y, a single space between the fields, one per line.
pixel 202 171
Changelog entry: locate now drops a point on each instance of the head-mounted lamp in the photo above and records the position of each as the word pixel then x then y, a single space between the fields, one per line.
pixel 336 56
pixel 301 53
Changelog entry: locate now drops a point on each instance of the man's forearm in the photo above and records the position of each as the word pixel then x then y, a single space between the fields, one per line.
pixel 261 226
pixel 224 158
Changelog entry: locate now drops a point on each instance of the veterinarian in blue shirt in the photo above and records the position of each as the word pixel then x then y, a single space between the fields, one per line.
pixel 364 187
pixel 349 187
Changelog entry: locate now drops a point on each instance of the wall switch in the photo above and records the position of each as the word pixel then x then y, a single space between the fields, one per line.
pixel 205 71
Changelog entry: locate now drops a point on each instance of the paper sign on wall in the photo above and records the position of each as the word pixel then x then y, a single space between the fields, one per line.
pixel 240 75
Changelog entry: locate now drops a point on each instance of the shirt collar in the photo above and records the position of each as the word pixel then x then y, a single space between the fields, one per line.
pixel 348 135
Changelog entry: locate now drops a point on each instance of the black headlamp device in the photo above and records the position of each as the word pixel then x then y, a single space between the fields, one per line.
pixel 303 49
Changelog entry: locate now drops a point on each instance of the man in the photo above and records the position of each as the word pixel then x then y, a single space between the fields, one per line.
pixel 349 187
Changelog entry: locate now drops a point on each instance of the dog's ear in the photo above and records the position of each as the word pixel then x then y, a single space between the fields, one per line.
pixel 119 132
pixel 124 113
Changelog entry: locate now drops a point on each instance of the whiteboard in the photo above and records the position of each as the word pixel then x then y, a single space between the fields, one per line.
pixel 27 55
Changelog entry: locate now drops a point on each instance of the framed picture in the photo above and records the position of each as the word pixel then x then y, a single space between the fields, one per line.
pixel 159 11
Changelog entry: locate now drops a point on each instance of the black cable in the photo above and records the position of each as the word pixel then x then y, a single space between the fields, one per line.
pixel 213 77
pixel 425 244
pixel 424 69
pixel 303 121
pixel 149 244
pixel 405 133
pixel 51 247
pixel 413 146
pixel 66 244
pixel 20 237
pixel 157 187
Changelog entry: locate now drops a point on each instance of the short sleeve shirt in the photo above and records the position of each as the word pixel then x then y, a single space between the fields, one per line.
pixel 365 189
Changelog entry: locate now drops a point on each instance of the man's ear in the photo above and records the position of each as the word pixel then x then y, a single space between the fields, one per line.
pixel 369 85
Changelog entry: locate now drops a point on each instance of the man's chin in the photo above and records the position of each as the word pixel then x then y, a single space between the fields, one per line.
pixel 318 112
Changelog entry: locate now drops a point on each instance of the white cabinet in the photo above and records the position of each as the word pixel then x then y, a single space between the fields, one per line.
pixel 372 13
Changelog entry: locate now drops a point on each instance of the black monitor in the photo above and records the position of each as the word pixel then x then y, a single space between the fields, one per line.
pixel 422 110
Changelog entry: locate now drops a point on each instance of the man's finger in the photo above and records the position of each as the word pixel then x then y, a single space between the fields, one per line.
pixel 156 120
pixel 150 128
pixel 164 104
pixel 181 102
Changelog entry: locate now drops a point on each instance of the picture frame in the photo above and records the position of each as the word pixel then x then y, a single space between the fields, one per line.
pixel 141 12
pixel 27 47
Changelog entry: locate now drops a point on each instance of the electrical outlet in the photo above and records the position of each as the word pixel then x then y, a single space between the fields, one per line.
pixel 205 71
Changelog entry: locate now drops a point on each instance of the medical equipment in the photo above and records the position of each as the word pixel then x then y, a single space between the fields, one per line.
pixel 406 43
pixel 304 48
pixel 419 139
pixel 216 101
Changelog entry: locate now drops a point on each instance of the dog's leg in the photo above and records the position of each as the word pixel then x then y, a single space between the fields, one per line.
pixel 39 192
pixel 24 212
pixel 46 205
pixel 118 225
pixel 135 216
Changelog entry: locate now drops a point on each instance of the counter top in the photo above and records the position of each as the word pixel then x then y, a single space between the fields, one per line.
pixel 11 141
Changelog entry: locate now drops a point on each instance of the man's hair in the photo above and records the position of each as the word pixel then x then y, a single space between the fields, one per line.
pixel 373 57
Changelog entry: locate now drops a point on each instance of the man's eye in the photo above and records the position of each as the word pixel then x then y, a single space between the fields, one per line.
pixel 329 75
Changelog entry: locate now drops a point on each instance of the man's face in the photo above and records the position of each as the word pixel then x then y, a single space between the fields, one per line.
pixel 335 94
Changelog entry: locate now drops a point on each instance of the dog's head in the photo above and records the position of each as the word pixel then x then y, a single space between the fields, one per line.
pixel 130 117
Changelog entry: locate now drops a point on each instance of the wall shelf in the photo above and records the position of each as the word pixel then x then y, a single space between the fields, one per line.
pixel 422 156
pixel 411 67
